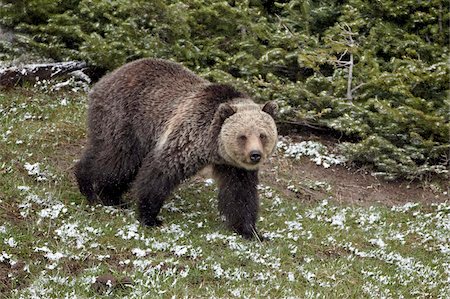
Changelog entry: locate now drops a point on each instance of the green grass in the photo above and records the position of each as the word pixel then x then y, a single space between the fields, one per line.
pixel 54 245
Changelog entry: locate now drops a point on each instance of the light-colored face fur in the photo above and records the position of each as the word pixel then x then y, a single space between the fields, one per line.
pixel 248 137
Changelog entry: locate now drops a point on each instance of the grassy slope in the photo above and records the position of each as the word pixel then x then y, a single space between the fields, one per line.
pixel 53 245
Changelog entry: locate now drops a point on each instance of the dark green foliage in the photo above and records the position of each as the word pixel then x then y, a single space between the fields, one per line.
pixel 375 70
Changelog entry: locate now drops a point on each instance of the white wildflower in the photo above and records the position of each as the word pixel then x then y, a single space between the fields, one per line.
pixel 139 252
pixel 444 248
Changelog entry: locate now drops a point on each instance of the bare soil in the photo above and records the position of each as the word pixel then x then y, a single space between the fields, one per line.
pixel 348 184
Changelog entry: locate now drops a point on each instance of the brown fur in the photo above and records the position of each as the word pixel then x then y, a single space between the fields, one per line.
pixel 154 123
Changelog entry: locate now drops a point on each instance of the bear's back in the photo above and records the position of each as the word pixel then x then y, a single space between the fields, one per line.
pixel 140 97
pixel 145 77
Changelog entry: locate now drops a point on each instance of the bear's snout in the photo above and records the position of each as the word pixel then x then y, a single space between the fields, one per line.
pixel 255 156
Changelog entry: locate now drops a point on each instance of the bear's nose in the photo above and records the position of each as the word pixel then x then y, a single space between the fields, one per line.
pixel 255 156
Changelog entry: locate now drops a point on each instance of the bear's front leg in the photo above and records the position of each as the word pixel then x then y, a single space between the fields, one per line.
pixel 238 199
pixel 153 185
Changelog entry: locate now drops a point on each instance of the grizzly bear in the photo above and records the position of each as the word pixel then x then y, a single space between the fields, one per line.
pixel 154 123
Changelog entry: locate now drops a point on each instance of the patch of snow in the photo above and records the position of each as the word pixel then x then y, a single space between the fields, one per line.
pixel 63 102
pixel 139 252
pixel 294 225
pixel 35 171
pixel 316 151
pixel 11 242
pixel 338 220
pixel 54 256
pixel 23 188
pixel 53 211
pixel 209 182
pixel 377 242
pixel 218 271
pixel 180 250
pixel 129 232
pixel 404 208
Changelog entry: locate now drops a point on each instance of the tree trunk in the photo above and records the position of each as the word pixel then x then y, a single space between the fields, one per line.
pixel 350 78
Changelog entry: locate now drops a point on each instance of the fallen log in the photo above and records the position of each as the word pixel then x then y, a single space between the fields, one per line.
pixel 17 75
pixel 307 127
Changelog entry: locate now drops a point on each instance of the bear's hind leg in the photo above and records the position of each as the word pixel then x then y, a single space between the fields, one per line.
pixel 107 168
pixel 83 174
pixel 238 199
pixel 98 183
pixel 114 174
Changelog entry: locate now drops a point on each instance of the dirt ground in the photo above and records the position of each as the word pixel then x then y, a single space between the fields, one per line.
pixel 346 184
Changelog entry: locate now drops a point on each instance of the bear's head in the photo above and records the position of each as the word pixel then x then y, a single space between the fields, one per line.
pixel 248 135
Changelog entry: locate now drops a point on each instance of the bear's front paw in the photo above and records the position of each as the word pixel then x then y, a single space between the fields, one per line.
pixel 151 221
pixel 252 234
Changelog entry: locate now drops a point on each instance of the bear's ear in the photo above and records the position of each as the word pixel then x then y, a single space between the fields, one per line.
pixel 271 108
pixel 226 110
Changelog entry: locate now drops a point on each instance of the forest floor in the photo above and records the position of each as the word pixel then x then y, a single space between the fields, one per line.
pixel 332 229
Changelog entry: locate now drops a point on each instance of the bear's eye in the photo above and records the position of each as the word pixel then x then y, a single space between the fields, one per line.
pixel 242 137
pixel 262 136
